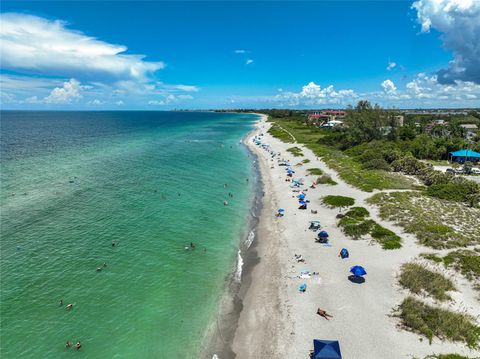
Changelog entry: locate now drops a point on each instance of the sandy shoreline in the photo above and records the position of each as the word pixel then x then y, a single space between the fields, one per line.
pixel 276 321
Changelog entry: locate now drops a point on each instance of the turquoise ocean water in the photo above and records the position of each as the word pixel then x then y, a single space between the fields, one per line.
pixel 73 182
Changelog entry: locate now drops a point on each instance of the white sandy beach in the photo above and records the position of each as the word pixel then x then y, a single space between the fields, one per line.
pixel 277 321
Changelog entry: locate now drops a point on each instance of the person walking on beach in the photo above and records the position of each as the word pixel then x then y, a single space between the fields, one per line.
pixel 324 314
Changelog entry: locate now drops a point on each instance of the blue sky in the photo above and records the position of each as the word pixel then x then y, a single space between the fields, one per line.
pixel 226 54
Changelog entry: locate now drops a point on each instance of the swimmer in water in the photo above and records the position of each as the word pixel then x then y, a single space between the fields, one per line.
pixel 113 243
pixel 68 344
pixel 78 345
pixel 225 203
pixel 69 306
pixel 61 302
pixel 99 269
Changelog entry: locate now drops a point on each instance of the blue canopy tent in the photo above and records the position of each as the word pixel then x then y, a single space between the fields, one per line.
pixel 326 349
pixel 465 155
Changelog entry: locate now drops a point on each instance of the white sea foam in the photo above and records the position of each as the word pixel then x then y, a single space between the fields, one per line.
pixel 250 238
pixel 238 272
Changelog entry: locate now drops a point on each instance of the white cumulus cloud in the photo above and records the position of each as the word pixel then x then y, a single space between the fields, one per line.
pixel 388 86
pixel 71 91
pixel 459 23
pixel 249 61
pixel 313 94
pixel 44 46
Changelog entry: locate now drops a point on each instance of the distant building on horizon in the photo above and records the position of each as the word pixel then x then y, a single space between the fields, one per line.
pixel 327 118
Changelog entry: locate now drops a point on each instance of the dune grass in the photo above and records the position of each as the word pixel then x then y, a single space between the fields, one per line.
pixel 349 170
pixel 315 171
pixel 355 228
pixel 446 356
pixel 384 236
pixel 432 322
pixel 436 223
pixel 419 279
pixel 278 132
pixel 465 261
pixel 296 151
pixel 326 179
pixel 338 201
pixel 355 224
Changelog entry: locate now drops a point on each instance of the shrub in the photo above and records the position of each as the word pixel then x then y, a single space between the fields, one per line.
pixel 305 161
pixel 419 279
pixel 296 151
pixel 432 257
pixel 408 165
pixel 387 238
pixel 446 356
pixel 436 322
pixel 315 171
pixel 452 191
pixel 354 228
pixel 357 213
pixel 326 179
pixel 338 201
pixel 376 164
pixel 465 261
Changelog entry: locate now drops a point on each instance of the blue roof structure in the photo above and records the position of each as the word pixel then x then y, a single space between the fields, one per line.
pixel 465 153
pixel 326 349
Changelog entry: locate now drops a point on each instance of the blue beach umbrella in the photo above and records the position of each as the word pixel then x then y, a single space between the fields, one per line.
pixel 323 234
pixel 281 210
pixel 301 196
pixel 358 271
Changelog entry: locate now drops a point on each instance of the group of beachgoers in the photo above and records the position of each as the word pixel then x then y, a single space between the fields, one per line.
pixel 302 200
pixel 69 306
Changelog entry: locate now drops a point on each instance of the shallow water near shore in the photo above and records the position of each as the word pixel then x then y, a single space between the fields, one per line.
pixel 73 182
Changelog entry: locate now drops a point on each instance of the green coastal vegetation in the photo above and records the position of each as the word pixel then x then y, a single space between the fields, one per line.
pixel 296 151
pixel 338 201
pixel 355 224
pixel 326 179
pixel 420 280
pixel 323 178
pixel 373 149
pixel 447 356
pixel 465 261
pixel 436 223
pixel 315 171
pixel 432 322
